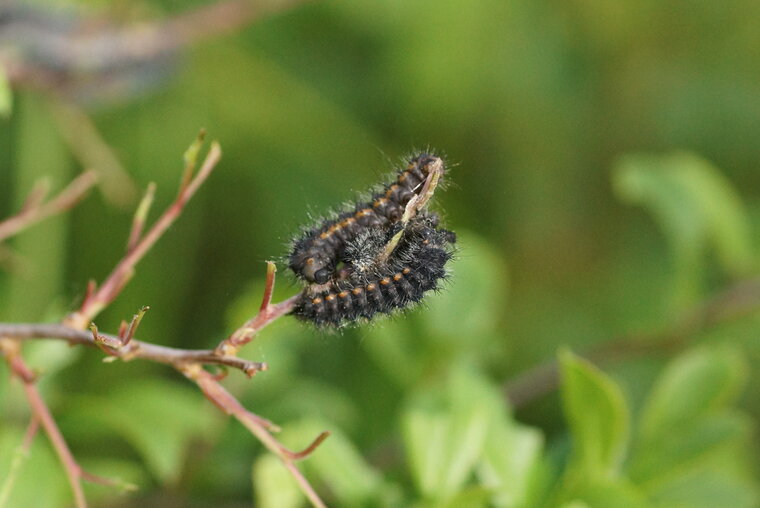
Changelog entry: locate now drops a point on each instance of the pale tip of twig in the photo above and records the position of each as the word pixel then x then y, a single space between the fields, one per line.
pixel 109 482
pixel 136 320
pixel 309 449
pixel 252 368
pixel 141 216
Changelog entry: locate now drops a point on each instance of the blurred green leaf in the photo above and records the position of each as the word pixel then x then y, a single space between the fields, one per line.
pixel 158 418
pixel 39 478
pixel 6 95
pixel 707 489
pixel 696 206
pixel 509 463
pixel 459 321
pixel 396 349
pixel 697 383
pixel 608 494
pixel 597 416
pixel 471 497
pixel 273 485
pixel 445 432
pixel 336 462
pixel 688 429
pixel 50 356
pixel 686 448
pixel 470 307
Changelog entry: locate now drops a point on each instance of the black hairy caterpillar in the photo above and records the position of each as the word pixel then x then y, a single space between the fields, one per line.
pixel 316 255
pixel 415 266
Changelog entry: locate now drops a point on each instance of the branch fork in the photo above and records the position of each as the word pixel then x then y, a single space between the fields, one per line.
pixel 78 328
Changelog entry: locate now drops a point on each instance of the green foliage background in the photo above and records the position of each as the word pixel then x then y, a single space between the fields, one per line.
pixel 605 180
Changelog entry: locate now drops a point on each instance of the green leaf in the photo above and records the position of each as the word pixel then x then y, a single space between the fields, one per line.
pixel 470 305
pixel 685 448
pixel 511 457
pixel 50 356
pixel 445 431
pixel 158 418
pixel 6 95
pixel 471 497
pixel 608 494
pixel 337 462
pixel 696 207
pixel 460 321
pixel 598 418
pixel 394 347
pixel 30 479
pixel 695 384
pixel 708 489
pixel 273 485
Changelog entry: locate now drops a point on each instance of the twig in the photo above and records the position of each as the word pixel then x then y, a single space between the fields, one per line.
pixel 229 404
pixel 124 346
pixel 135 349
pixel 42 414
pixel 34 210
pixel 738 300
pixel 267 313
pixel 141 216
pixel 22 453
pixel 115 282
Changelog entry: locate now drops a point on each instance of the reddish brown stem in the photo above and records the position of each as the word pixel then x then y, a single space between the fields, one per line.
pixel 34 210
pixel 230 405
pixel 121 274
pixel 267 313
pixel 135 349
pixel 42 414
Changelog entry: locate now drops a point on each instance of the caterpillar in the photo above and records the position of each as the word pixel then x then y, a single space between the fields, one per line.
pixel 370 285
pixel 316 255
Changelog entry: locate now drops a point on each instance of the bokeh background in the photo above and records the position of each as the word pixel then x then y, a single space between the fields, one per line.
pixel 605 186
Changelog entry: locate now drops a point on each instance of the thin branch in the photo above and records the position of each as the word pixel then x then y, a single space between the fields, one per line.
pixel 123 271
pixel 734 302
pixel 267 313
pixel 35 210
pixel 229 404
pixel 21 454
pixel 141 216
pixel 135 349
pixel 124 346
pixel 42 414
